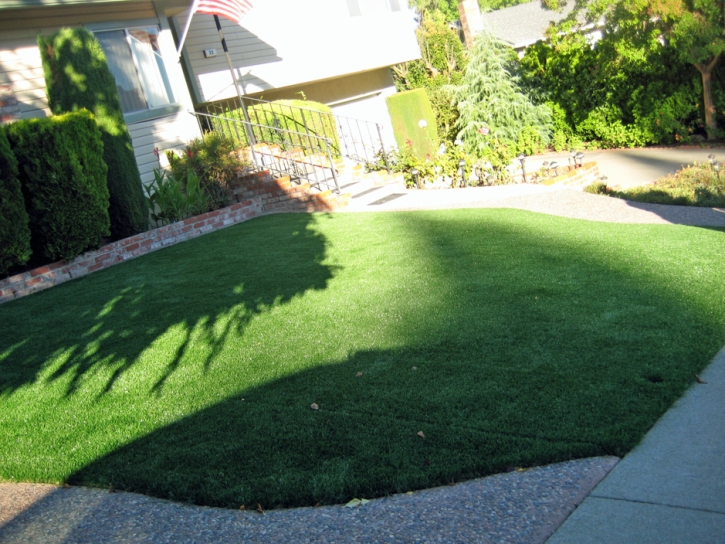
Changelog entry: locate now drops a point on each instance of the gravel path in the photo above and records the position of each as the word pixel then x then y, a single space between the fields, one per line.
pixel 565 202
pixel 524 506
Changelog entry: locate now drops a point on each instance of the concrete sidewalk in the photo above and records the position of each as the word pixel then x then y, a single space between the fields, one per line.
pixel 670 488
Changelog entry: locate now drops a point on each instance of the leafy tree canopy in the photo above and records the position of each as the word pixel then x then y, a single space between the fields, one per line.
pixel 695 28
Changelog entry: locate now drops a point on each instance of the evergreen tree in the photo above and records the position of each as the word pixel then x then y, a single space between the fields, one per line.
pixel 490 101
pixel 77 77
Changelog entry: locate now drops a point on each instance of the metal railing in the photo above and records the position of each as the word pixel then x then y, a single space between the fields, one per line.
pixel 355 139
pixel 302 156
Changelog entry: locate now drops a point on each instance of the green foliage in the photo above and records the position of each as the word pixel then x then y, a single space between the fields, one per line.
pixel 692 30
pixel 170 199
pixel 443 62
pixel 214 159
pixel 616 94
pixel 491 102
pixel 696 185
pixel 492 5
pixel 14 230
pixel 295 116
pixel 446 10
pixel 443 167
pixel 408 111
pixel 63 179
pixel 76 77
pixel 596 188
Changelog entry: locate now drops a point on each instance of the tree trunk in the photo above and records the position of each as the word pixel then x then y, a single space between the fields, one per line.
pixel 706 73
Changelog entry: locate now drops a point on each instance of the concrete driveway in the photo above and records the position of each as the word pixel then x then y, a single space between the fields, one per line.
pixel 630 167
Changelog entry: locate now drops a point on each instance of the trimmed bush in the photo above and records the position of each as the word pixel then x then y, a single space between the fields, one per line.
pixel 14 230
pixel 63 178
pixel 76 77
pixel 407 110
pixel 314 118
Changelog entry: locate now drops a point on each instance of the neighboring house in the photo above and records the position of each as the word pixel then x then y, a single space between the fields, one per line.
pixel 526 24
pixel 333 51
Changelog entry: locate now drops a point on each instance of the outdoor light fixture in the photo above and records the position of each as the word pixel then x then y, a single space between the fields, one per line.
pixel 545 166
pixel 462 170
pixel 573 157
pixel 414 172
pixel 580 157
pixel 716 166
pixel 711 158
pixel 522 158
pixel 555 166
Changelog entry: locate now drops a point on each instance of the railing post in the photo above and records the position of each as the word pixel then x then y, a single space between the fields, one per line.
pixel 382 148
pixel 332 166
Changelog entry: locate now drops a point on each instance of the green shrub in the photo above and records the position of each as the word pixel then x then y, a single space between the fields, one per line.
pixel 596 188
pixel 170 199
pixel 214 159
pixel 63 177
pixel 14 230
pixel 77 76
pixel 295 116
pixel 696 185
pixel 413 121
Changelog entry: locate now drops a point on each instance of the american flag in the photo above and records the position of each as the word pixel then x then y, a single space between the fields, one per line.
pixel 233 10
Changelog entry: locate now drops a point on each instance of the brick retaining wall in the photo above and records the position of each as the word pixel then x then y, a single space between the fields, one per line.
pixel 257 194
pixel 586 174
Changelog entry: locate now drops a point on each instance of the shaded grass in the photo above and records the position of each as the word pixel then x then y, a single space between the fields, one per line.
pixel 189 373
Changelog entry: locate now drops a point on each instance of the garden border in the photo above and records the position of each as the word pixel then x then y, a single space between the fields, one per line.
pixel 263 194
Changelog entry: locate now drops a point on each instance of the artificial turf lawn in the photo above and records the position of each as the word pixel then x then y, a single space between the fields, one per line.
pixel 508 338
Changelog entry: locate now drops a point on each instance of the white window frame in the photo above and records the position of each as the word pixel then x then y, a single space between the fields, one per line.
pixel 163 72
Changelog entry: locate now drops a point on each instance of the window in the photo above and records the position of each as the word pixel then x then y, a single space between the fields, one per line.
pixel 368 7
pixel 134 58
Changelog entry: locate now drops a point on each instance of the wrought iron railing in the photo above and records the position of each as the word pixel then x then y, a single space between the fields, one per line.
pixel 302 156
pixel 355 139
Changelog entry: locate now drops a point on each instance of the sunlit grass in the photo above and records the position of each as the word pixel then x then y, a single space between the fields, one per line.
pixel 508 338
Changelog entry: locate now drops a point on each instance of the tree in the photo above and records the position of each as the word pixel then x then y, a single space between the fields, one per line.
pixel 77 77
pixel 695 28
pixel 490 101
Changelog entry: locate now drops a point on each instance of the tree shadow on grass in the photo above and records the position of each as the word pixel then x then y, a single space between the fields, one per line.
pixel 203 290
pixel 578 359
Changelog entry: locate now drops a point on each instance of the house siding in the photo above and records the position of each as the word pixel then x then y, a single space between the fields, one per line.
pixel 21 67
pixel 282 43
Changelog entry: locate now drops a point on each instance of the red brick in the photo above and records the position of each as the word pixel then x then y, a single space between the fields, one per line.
pixel 103 257
pixel 132 247
pixel 218 224
pixel 39 271
pixel 95 267
pixel 33 281
pixel 148 241
pixel 199 224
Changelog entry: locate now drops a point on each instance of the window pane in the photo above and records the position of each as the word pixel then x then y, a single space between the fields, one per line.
pixel 145 47
pixel 120 62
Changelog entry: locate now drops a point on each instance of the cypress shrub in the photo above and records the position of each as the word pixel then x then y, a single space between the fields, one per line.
pixel 407 109
pixel 63 178
pixel 76 77
pixel 14 230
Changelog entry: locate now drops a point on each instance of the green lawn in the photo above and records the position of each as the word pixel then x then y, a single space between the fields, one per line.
pixel 508 338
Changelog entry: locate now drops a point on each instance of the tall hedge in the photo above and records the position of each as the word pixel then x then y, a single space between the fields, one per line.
pixel 76 77
pixel 407 109
pixel 14 230
pixel 63 178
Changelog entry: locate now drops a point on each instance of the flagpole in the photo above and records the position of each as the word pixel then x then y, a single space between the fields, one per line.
pixel 186 27
pixel 248 122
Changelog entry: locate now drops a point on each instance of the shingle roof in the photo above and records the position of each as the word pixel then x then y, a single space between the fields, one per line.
pixel 522 25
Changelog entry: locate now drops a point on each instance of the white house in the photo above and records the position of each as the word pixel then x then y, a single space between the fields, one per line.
pixel 333 51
